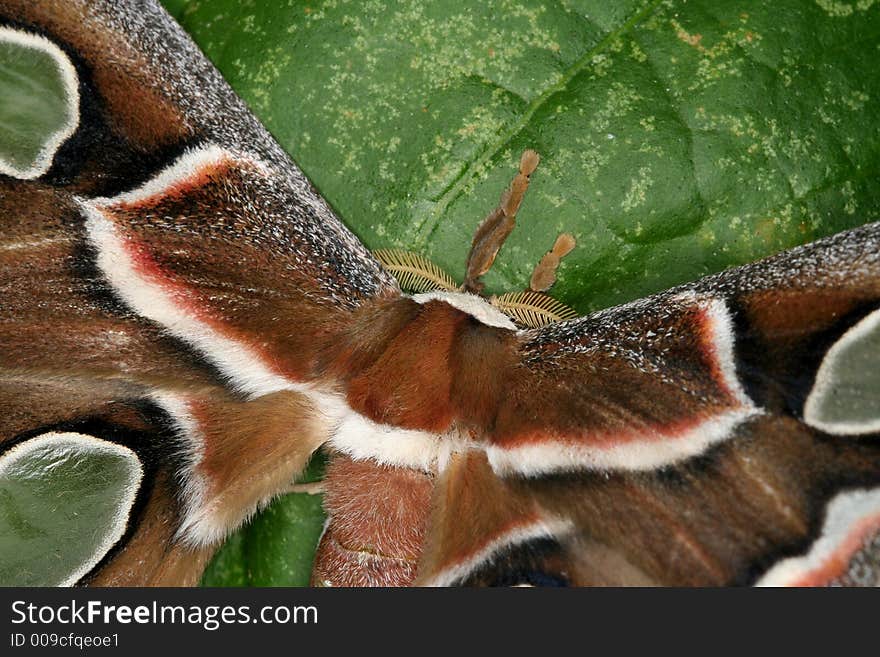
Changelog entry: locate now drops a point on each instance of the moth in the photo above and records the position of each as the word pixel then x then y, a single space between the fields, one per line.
pixel 181 311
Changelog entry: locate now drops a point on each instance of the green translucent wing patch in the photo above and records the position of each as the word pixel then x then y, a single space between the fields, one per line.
pixel 846 395
pixel 65 500
pixel 39 103
pixel 414 273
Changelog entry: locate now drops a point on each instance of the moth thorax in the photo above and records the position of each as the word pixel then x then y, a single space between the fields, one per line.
pixel 471 304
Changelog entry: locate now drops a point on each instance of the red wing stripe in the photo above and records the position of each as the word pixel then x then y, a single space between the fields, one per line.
pixel 637 452
pixel 642 448
pixel 157 298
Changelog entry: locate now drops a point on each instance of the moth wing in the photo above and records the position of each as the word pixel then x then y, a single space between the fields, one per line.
pixel 110 482
pixel 167 277
pixel 724 432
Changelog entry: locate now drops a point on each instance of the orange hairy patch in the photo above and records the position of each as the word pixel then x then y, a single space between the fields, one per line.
pixel 252 450
pixel 481 361
pixel 409 384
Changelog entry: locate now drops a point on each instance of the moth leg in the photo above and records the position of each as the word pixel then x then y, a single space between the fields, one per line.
pixel 495 228
pixel 544 275
pixel 311 488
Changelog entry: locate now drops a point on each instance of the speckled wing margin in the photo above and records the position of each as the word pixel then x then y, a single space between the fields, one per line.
pixel 170 280
pixel 692 438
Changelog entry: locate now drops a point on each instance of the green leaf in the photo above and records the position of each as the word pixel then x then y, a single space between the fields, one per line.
pixel 276 548
pixel 64 502
pixel 677 137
